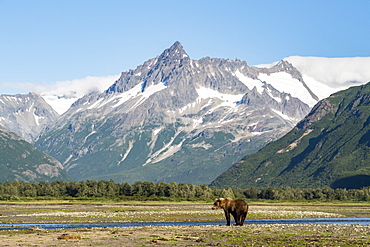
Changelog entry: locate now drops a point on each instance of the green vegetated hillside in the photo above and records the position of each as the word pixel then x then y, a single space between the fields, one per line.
pixel 20 161
pixel 329 147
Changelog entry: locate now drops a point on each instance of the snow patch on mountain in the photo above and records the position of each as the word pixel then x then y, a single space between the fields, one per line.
pixel 267 65
pixel 156 131
pixel 286 83
pixel 165 152
pixel 278 99
pixel 197 122
pixel 38 119
pixel 124 156
pixel 202 144
pixel 249 82
pixel 283 115
pixel 136 92
pixel 229 100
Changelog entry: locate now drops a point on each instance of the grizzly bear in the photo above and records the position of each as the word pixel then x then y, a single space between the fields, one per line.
pixel 237 208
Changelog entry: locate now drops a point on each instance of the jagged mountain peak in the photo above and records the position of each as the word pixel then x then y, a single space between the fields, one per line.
pixel 176 48
pixel 175 54
pixel 170 59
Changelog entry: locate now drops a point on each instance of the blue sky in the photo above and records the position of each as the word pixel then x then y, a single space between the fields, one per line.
pixel 45 41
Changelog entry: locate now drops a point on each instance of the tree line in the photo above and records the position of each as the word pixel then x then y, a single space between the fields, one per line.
pixel 89 189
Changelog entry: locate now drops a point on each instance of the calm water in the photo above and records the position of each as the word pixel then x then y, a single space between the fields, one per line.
pixel 352 221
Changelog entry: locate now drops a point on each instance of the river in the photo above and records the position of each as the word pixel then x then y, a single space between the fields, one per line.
pixel 341 221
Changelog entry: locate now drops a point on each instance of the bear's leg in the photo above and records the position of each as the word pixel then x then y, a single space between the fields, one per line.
pixel 227 216
pixel 242 218
pixel 236 217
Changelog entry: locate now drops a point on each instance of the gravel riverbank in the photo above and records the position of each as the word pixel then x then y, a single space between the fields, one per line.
pixel 207 235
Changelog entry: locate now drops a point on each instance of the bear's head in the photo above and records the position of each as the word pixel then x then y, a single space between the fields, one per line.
pixel 219 203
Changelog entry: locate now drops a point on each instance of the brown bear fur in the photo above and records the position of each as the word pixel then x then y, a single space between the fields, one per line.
pixel 237 208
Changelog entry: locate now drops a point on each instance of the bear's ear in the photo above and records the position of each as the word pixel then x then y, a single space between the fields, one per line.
pixel 228 200
pixel 222 201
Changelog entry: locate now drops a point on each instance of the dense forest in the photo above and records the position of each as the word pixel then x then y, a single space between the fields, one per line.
pixel 90 190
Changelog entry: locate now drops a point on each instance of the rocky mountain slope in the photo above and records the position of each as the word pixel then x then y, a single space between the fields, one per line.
pixel 177 119
pixel 26 114
pixel 329 147
pixel 20 161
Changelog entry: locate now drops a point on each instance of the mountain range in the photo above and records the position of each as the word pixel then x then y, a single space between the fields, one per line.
pixel 175 119
pixel 329 147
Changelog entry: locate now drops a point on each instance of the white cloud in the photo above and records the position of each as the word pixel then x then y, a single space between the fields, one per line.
pixel 60 95
pixel 79 87
pixel 334 72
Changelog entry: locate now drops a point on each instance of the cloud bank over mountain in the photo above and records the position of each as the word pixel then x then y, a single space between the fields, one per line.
pixel 61 95
pixel 334 72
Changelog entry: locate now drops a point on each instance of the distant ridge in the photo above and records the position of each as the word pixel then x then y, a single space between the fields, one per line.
pixel 20 161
